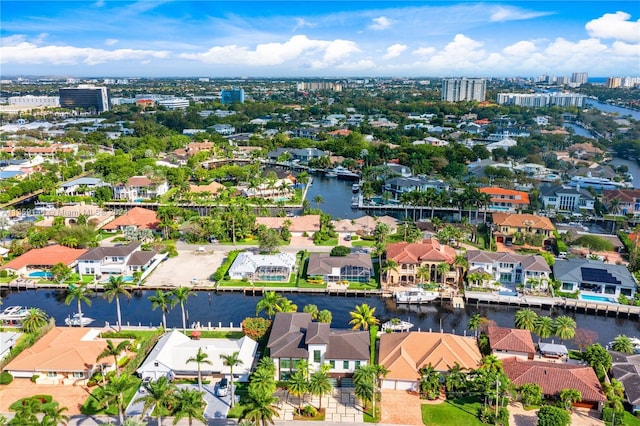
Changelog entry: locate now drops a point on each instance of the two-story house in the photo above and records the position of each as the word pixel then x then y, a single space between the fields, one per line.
pixel 597 281
pixel 418 262
pixel 117 260
pixel 295 337
pixel 505 200
pixel 397 186
pixel 505 225
pixel 626 201
pixel 510 268
pixel 565 198
pixel 139 188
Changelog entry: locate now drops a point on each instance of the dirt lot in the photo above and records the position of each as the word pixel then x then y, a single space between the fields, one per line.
pixel 71 397
pixel 189 268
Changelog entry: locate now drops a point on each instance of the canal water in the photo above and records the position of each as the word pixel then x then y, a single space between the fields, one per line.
pixel 209 307
pixel 336 197
pixel 613 109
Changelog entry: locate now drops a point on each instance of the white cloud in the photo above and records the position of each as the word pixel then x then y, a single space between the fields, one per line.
pixel 507 13
pixel 616 26
pixel 394 50
pixel 111 41
pixel 302 23
pixel 625 49
pixel 381 23
pixel 520 49
pixel 424 51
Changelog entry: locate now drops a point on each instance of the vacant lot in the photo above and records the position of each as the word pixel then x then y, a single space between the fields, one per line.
pixel 189 268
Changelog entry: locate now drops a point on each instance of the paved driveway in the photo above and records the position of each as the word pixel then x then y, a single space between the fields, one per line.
pixel 401 407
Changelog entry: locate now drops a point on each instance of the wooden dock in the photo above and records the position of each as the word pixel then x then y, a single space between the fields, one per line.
pixel 257 291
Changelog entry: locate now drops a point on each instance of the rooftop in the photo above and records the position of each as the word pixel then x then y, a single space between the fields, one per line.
pixel 46 256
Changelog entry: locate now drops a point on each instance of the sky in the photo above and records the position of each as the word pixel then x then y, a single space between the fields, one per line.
pixel 330 38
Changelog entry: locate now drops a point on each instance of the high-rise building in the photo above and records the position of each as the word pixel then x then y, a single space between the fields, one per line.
pixel 464 89
pixel 319 85
pixel 613 82
pixel 231 96
pixel 579 77
pixel 537 100
pixel 85 96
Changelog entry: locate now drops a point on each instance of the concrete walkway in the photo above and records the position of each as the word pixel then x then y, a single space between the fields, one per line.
pixel 340 406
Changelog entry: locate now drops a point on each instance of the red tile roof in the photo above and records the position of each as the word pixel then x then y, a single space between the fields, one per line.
pixel 510 339
pixel 139 181
pixel 502 195
pixel 137 216
pixel 426 251
pixel 47 256
pixel 523 220
pixel 554 377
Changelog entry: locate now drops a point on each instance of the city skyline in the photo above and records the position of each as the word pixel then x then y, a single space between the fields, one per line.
pixel 319 39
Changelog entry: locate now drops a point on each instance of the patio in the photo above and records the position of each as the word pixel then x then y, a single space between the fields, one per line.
pixel 340 406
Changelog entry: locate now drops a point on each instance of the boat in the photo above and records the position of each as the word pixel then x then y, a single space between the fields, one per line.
pixel 635 342
pixel 345 174
pixel 74 321
pixel 355 187
pixel 355 202
pixel 416 295
pixel 330 173
pixel 396 325
pixel 13 314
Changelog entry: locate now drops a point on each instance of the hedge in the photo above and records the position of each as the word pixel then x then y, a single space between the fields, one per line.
pixel 221 272
pixel 5 378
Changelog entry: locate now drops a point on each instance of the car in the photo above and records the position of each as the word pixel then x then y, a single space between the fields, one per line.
pixel 223 387
pixel 144 384
pixel 347 237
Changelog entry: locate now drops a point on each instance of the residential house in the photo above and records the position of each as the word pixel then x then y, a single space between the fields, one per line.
pixel 413 258
pixel 565 198
pixel 352 268
pixel 505 200
pixel 304 155
pixel 403 354
pixel 211 188
pixel 170 357
pixel 510 268
pixel 365 225
pixel 298 225
pixel 137 217
pixel 65 355
pixel 399 169
pixel 223 129
pixel 605 282
pixel 83 185
pixel 295 337
pixel 306 132
pixel 554 377
pixel 280 189
pixel 94 215
pixel 140 188
pixel 585 151
pixel 505 225
pixel 509 342
pixel 38 259
pixel 116 260
pixel 257 267
pixel 627 201
pixel 626 369
pixel 397 186
pixel 7 340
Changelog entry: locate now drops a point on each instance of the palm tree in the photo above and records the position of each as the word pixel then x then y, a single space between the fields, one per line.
pixel 474 323
pixel 491 363
pixel 442 269
pixel 614 389
pixel 181 295
pixel 462 264
pixel 26 412
pixel 429 381
pixel 544 328
pixel 163 300
pixel 311 310
pixel 200 358
pixel 113 289
pixel 188 403
pixel 526 319
pixel 298 386
pixel 565 327
pixel 456 379
pixel 159 394
pixel 113 393
pixel 363 317
pixel 270 303
pixel 622 343
pixel 367 380
pixel 325 316
pixel 320 384
pixel 54 414
pixel 388 266
pixel 262 409
pixel 569 396
pixel 318 200
pixel 231 361
pixel 262 381
pixel 114 351
pixel 423 273
pixel 79 293
pixel 287 305
pixel 36 319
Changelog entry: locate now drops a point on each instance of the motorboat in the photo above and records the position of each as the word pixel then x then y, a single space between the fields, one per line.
pixel 355 187
pixel 345 174
pixel 13 314
pixel 396 325
pixel 416 295
pixel 355 202
pixel 634 341
pixel 330 173
pixel 76 320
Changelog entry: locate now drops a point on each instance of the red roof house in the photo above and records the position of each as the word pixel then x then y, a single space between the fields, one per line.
pixel 138 217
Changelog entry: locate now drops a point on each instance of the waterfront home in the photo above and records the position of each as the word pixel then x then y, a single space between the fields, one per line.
pixel 137 217
pixel 554 377
pixel 278 190
pixel 505 225
pixel 505 200
pixel 597 281
pixel 626 369
pixel 303 155
pixel 397 186
pixel 94 215
pixel 510 268
pixel 298 225
pixel 627 201
pixel 82 186
pixel 398 169
pixel 295 337
pixel 7 340
pixel 169 357
pixel 116 260
pixel 565 198
pixel 38 259
pixel 418 262
pixel 140 188
pixel 509 342
pixel 211 188
pixel 365 225
pixel 403 354
pixel 352 268
pixel 65 355
pixel 258 267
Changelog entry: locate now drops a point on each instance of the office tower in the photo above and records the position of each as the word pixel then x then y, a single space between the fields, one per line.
pixel 464 89
pixel 231 96
pixel 319 85
pixel 85 96
pixel 579 77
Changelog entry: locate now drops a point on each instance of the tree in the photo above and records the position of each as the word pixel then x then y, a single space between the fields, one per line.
pixel 298 386
pixel 553 416
pixel 269 303
pixel 474 323
pixel 36 319
pixel 318 200
pixel 60 272
pixel 261 409
pixel 262 381
pixel 456 379
pixel 114 391
pixel 54 414
pixel 163 300
pixel 231 361
pixel 269 240
pixel 584 338
pixel 320 384
pixel 598 358
pixel 367 379
pixel 569 397
pixel 443 269
pixel 26 412
pixel 325 316
pixel 526 319
pixel 491 363
pixel 311 310
pixel 531 394
pixel 622 343
pixel 190 404
pixel 287 305
pixel 113 289
pixel 363 317
pixel 429 382
pixel 388 266
pixel 565 327
pixel 79 293
pixel 544 327
pixel 159 394
pixel 200 358
pixel 181 294
pixel 115 351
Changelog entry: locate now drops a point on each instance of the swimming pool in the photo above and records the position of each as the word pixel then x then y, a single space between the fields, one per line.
pixel 597 298
pixel 127 278
pixel 41 274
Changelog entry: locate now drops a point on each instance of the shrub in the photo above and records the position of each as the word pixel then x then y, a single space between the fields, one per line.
pixel 553 416
pixel 256 328
pixel 607 416
pixel 594 243
pixel 221 272
pixel 35 377
pixel 4 273
pixel 340 251
pixel 5 378
pixel 309 411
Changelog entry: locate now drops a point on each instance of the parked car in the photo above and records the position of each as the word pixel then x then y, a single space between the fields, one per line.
pixel 347 237
pixel 223 387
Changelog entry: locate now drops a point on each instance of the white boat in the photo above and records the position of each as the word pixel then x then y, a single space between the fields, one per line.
pixel 74 321
pixel 330 173
pixel 416 295
pixel 355 202
pixel 13 314
pixel 396 325
pixel 345 174
pixel 355 187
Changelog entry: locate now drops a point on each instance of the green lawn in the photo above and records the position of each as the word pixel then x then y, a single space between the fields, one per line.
pixel 331 242
pixel 630 419
pixel 206 334
pixel 92 405
pixel 455 412
pixel 363 243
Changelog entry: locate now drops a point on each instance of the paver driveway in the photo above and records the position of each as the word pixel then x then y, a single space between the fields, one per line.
pixel 401 407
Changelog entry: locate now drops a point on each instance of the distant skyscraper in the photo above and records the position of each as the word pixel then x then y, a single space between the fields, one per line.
pixel 85 96
pixel 537 100
pixel 231 96
pixel 579 77
pixel 464 89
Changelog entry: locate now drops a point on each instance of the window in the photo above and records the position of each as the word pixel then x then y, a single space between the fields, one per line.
pixel 51 374
pixel 567 286
pixel 357 364
pixel 625 292
pixel 345 365
pixel 155 364
pixel 78 375
pixel 316 356
pixel 332 364
pixel 285 363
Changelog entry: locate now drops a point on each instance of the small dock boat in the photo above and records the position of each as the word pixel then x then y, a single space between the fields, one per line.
pixel 396 325
pixel 416 295
pixel 355 187
pixel 76 320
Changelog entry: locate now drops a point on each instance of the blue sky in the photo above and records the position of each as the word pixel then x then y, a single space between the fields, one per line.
pixel 319 38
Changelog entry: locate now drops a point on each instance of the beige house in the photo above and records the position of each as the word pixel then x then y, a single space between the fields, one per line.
pixel 505 225
pixel 297 225
pixel 414 258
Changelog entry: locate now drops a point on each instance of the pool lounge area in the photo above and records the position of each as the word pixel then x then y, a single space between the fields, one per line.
pixel 593 298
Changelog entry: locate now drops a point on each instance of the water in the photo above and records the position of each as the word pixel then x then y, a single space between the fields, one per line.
pixel 596 298
pixel 634 169
pixel 613 109
pixel 41 274
pixel 205 307
pixel 336 195
pixel 579 131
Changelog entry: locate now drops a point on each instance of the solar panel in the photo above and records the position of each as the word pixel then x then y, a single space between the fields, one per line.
pixel 598 276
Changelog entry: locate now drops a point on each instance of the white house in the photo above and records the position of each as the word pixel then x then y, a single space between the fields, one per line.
pixel 510 268
pixel 117 260
pixel 257 267
pixel 140 188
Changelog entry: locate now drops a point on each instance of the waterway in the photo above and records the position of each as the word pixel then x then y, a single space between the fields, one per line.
pixel 209 307
pixel 613 109
pixel 336 195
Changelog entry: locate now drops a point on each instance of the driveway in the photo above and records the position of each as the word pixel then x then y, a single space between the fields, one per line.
pixel 401 407
pixel 518 416
pixel 71 397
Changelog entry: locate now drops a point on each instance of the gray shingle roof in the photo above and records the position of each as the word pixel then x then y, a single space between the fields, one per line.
pixel 571 270
pixel 99 253
pixel 626 368
pixel 323 263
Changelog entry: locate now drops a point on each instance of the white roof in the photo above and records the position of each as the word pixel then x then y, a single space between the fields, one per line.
pixel 174 349
pixel 248 262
